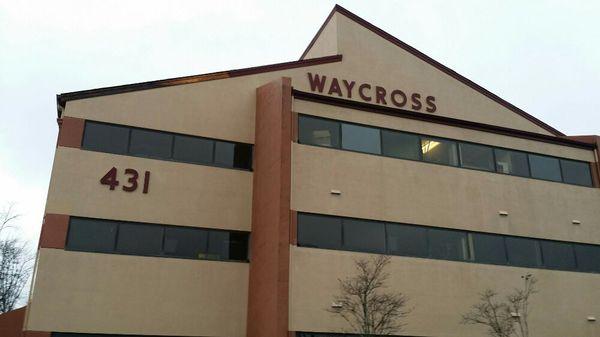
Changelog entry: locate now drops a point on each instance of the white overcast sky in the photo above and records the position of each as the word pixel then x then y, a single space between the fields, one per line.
pixel 542 56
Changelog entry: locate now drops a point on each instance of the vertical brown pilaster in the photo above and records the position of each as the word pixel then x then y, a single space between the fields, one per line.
pixel 54 231
pixel 268 301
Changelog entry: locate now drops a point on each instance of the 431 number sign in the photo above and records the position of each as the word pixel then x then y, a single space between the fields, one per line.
pixel 110 179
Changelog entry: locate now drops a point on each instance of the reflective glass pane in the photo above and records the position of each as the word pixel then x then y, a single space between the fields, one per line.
pixel 233 155
pixel 105 138
pixel 361 138
pixel 91 235
pixel 488 248
pixel 558 255
pixel 317 131
pixel 439 151
pixel 476 156
pixel 588 257
pixel 319 231
pixel 148 143
pixel 576 172
pixel 406 240
pixel 523 252
pixel 185 242
pixel 543 167
pixel 224 153
pixel 193 149
pixel 140 239
pixel 364 236
pixel 512 162
pixel 400 145
pixel 447 244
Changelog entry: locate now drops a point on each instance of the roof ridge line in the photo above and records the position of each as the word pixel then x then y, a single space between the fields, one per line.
pixel 450 72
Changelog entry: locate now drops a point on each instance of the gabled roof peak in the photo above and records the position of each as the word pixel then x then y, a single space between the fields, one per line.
pixel 390 38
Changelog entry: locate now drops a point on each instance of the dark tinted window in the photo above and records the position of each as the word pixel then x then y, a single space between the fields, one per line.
pixel 523 252
pixel 401 145
pixel 543 167
pixel 588 257
pixel 238 246
pixel 364 236
pixel 476 156
pixel 227 246
pixel 91 235
pixel 439 151
pixel 558 255
pixel 185 242
pixel 242 157
pixel 316 131
pixel 488 248
pixel 512 162
pixel 406 240
pixel 149 143
pixel 105 138
pixel 193 149
pixel 447 244
pixel 319 231
pixel 576 172
pixel 233 155
pixel 140 239
pixel 361 138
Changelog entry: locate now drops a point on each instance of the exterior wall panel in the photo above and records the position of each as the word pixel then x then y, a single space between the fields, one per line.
pixel 104 293
pixel 380 188
pixel 179 194
pixel 439 292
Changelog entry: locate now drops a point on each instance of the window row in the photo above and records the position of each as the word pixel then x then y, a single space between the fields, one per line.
pixel 390 143
pixel 107 236
pixel 138 142
pixel 330 232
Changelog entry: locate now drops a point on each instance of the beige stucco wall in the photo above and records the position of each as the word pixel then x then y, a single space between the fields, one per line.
pixel 326 44
pixel 376 187
pixel 440 291
pixel 179 193
pixel 103 293
pixel 222 109
pixel 379 62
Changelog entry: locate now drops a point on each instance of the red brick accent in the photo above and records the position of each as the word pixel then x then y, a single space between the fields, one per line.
pixel 11 323
pixel 268 299
pixel 293 228
pixel 70 132
pixel 54 231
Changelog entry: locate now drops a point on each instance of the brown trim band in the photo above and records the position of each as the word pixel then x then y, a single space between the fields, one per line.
pixel 434 63
pixel 345 103
pixel 70 131
pixel 62 99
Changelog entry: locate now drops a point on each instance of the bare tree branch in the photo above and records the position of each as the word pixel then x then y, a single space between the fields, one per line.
pixel 363 304
pixel 15 264
pixel 502 317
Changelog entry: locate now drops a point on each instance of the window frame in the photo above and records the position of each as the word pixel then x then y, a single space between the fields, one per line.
pixel 173 135
pixel 455 141
pixel 164 227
